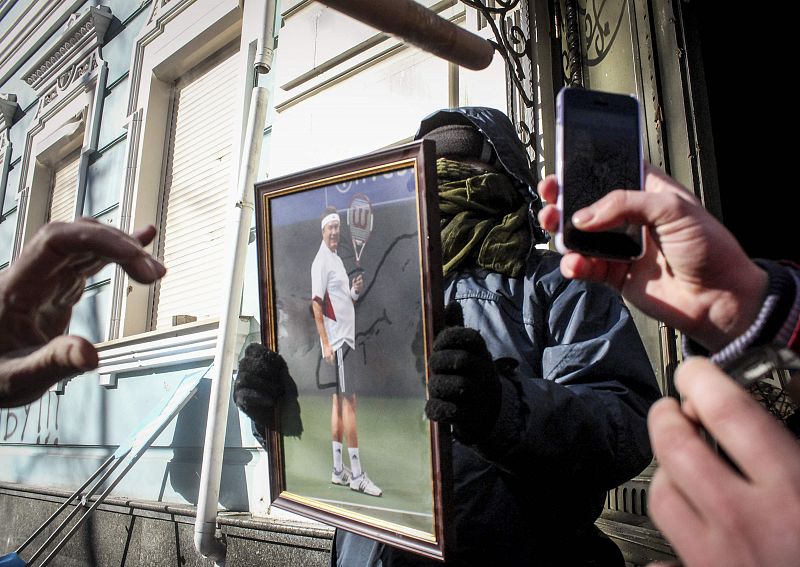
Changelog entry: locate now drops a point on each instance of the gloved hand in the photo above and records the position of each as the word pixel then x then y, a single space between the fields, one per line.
pixel 463 387
pixel 263 384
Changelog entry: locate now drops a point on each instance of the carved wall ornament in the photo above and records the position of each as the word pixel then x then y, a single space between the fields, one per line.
pixel 74 56
pixel 156 9
pixel 8 107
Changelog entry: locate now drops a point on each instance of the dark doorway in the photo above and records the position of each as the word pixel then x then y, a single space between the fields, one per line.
pixel 747 65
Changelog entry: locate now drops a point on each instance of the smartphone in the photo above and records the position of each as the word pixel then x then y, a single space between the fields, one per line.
pixel 598 150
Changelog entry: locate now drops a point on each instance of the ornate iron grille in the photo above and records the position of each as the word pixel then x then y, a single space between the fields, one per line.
pixel 509 22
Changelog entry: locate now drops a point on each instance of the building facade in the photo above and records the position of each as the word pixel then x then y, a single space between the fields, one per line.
pixel 133 112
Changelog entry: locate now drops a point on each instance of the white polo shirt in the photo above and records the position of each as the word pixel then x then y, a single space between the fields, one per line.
pixel 331 287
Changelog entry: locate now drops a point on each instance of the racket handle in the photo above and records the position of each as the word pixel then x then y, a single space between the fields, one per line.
pixel 421 27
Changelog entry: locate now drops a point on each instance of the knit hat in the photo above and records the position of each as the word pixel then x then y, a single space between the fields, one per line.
pixel 508 153
pixel 455 141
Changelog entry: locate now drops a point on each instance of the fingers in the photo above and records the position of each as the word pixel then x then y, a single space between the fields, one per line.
pixel 461 338
pixel 57 245
pixel 622 207
pixel 663 200
pixel 145 235
pixel 762 448
pixel 673 515
pixel 438 410
pixel 657 181
pixel 580 267
pixel 693 468
pixel 550 216
pixel 25 376
pixel 548 189
pixel 255 350
pixel 261 365
pixel 252 400
pixel 453 315
pixel 449 387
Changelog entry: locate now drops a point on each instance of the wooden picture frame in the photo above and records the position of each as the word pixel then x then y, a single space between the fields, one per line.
pixel 386 208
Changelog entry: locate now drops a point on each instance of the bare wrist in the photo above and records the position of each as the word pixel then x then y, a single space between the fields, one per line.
pixel 734 309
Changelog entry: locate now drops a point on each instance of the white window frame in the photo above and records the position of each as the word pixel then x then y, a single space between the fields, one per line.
pixel 8 107
pixel 68 79
pixel 57 185
pixel 178 36
pixel 169 198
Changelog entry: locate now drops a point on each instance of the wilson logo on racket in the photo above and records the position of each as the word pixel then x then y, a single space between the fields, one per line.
pixel 359 219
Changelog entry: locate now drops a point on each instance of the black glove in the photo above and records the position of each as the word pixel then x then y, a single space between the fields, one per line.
pixel 263 384
pixel 464 388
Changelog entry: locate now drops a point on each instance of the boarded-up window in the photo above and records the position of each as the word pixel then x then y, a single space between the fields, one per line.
pixel 65 188
pixel 196 184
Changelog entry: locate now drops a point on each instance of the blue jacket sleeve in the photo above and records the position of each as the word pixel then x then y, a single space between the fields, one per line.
pixel 581 414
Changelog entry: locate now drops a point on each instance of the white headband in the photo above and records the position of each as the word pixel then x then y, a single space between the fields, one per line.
pixel 330 218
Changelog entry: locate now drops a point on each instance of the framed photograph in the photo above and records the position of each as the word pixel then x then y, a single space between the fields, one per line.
pixel 350 268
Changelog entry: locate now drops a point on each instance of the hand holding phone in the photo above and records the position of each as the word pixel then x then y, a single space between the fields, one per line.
pixel 598 150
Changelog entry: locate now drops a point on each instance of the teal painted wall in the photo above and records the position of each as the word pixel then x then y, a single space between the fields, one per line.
pixel 59 440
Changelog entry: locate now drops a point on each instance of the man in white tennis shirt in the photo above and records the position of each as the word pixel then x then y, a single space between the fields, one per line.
pixel 332 300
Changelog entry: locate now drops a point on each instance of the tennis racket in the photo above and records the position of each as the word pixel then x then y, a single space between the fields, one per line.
pixel 359 220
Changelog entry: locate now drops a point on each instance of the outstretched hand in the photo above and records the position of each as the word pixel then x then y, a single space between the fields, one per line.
pixel 710 512
pixel 463 388
pixel 38 292
pixel 694 275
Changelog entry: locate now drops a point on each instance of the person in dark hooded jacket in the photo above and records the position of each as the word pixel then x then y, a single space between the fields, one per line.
pixel 544 380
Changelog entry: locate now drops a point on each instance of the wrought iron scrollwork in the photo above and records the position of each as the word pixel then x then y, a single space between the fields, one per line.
pixel 574 58
pixel 508 22
pixel 511 42
pixel 567 31
pixel 600 22
pixel 598 28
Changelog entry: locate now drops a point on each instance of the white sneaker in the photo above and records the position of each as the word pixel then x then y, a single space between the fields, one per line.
pixel 342 478
pixel 363 484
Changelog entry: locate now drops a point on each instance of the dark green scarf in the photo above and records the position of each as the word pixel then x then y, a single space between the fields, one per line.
pixel 484 219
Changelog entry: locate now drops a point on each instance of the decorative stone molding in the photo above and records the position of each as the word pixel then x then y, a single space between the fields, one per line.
pixel 156 9
pixel 22 210
pixel 8 106
pixel 74 56
pixel 161 13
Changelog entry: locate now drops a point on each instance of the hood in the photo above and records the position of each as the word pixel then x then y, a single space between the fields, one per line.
pixel 498 130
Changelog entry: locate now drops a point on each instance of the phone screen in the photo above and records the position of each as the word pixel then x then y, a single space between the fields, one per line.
pixel 600 152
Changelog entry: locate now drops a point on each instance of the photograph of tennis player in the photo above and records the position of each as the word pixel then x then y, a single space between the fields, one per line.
pixel 333 296
pixel 346 273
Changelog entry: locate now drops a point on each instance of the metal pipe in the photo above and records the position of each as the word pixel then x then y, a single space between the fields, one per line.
pixel 91 137
pixel 419 26
pixel 88 512
pixel 240 216
pixel 66 503
pixel 266 40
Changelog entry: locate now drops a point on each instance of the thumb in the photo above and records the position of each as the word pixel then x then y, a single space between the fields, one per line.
pixel 453 315
pixel 26 374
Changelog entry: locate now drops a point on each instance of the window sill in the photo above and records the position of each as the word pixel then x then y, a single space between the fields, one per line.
pixel 192 342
